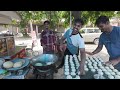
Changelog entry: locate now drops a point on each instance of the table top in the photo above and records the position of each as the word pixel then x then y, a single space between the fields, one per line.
pixel 21 76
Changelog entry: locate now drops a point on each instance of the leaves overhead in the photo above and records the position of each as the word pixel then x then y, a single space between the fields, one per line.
pixel 56 17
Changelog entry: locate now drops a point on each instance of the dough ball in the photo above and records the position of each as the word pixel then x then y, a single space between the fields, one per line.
pixel 17 64
pixel 38 64
pixel 8 64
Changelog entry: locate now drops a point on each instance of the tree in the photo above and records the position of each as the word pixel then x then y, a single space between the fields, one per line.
pixel 117 16
pixel 76 14
pixel 28 17
pixel 56 17
pixel 37 16
pixel 93 15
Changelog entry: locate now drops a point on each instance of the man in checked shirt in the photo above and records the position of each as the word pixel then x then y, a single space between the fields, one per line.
pixel 48 39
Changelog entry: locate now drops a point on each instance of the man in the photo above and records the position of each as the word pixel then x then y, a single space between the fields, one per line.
pixel 111 39
pixel 48 39
pixel 75 43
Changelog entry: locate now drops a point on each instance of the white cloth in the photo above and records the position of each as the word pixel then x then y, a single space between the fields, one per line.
pixel 77 41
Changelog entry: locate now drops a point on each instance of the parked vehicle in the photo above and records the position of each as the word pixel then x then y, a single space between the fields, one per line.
pixel 91 34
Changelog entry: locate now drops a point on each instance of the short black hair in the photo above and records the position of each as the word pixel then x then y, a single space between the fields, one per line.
pixel 102 19
pixel 79 20
pixel 47 22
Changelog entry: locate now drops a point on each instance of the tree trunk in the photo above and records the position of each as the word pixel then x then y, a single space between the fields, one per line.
pixel 70 19
pixel 76 14
pixel 50 16
pixel 31 26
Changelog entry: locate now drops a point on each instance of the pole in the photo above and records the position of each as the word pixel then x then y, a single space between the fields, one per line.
pixel 31 26
pixel 70 20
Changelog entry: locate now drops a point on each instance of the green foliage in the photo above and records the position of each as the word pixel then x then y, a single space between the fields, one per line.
pixel 93 15
pixel 36 16
pixel 55 17
pixel 6 26
pixel 117 14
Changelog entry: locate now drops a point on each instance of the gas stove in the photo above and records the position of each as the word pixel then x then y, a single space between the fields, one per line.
pixel 44 74
pixel 47 66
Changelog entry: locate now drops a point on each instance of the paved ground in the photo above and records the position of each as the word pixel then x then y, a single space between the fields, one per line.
pixel 103 54
pixel 89 47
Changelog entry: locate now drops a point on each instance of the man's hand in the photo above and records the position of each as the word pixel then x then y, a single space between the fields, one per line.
pixel 89 53
pixel 113 62
pixel 56 50
pixel 44 46
pixel 61 48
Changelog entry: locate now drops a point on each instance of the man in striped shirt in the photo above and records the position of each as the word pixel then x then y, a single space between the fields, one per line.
pixel 48 39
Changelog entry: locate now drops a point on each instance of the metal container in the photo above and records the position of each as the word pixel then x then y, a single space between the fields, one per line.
pixel 29 52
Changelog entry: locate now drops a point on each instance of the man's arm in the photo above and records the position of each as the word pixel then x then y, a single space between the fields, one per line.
pixel 97 50
pixel 113 61
pixel 41 38
pixel 62 40
pixel 61 43
pixel 83 58
pixel 64 37
pixel 118 59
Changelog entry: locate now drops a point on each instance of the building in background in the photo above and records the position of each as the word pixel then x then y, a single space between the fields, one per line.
pixel 6 18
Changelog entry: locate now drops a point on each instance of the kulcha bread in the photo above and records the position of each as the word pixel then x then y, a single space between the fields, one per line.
pixel 38 64
pixel 18 64
pixel 8 64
